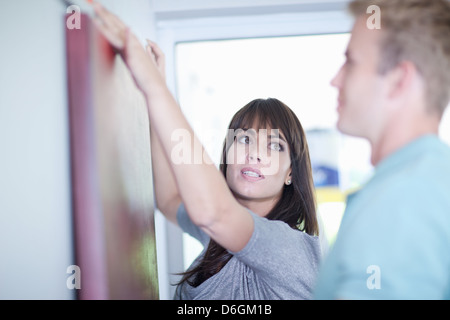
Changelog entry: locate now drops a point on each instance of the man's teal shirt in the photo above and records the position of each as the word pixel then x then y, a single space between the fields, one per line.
pixel 394 238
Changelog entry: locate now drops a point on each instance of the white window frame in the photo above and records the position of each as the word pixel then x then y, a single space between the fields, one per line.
pixel 171 32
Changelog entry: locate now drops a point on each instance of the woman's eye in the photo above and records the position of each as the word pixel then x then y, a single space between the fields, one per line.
pixel 276 146
pixel 244 139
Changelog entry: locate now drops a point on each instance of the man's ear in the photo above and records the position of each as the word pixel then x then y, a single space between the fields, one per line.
pixel 401 79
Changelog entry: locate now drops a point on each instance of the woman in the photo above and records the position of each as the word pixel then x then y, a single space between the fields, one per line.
pixel 257 216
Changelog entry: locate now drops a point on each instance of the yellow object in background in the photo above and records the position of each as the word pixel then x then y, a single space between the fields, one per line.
pixel 330 207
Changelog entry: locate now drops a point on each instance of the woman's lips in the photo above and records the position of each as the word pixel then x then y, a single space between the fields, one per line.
pixel 251 174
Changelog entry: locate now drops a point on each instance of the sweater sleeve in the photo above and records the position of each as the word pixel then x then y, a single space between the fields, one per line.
pixel 186 224
pixel 281 255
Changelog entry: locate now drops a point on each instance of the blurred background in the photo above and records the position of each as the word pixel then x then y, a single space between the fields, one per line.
pixel 220 55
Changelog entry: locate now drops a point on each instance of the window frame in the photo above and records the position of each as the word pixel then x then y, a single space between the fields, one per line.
pixel 170 32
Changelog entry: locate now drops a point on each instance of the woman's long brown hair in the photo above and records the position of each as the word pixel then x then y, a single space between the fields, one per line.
pixel 296 206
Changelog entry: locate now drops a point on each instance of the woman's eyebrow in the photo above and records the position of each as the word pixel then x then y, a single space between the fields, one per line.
pixel 250 131
pixel 277 137
pixel 271 136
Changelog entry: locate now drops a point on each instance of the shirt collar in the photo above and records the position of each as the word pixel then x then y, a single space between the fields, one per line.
pixel 410 151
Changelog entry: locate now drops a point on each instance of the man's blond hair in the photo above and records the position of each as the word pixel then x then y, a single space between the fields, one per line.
pixel 416 31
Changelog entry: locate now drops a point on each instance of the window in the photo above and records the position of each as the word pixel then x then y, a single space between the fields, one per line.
pixel 173 32
pixel 217 78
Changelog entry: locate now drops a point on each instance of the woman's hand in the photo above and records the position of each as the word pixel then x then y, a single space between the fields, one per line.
pixel 158 57
pixel 201 187
pixel 147 66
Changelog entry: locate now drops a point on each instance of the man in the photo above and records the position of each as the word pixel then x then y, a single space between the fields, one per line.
pixel 394 239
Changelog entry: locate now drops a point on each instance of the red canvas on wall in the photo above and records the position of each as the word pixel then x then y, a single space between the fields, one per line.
pixel 111 172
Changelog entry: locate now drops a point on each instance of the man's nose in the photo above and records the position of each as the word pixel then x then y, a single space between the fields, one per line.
pixel 336 81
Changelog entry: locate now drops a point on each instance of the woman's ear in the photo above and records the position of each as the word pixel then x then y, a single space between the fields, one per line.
pixel 288 179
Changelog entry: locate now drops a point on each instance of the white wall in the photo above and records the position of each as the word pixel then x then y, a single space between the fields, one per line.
pixel 35 215
pixel 36 244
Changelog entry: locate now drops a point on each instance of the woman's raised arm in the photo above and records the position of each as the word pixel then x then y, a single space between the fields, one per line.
pixel 202 188
pixel 167 196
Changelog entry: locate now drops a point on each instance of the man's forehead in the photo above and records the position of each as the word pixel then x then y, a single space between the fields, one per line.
pixel 362 38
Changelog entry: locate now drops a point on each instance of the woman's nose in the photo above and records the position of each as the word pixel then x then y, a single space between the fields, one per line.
pixel 254 159
pixel 258 153
pixel 253 155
